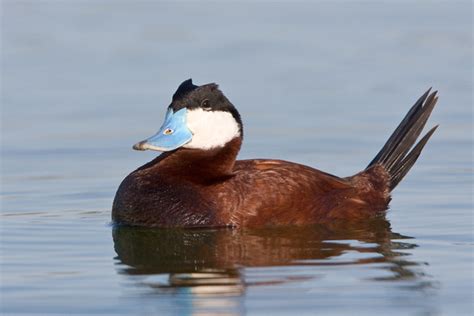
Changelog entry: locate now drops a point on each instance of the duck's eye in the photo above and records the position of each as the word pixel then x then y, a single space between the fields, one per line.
pixel 205 104
pixel 168 131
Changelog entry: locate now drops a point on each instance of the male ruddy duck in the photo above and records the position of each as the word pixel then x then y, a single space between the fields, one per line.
pixel 197 181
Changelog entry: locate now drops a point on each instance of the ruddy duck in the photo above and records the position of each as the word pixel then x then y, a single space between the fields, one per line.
pixel 197 181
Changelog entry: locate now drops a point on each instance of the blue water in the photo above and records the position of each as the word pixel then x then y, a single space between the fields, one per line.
pixel 321 83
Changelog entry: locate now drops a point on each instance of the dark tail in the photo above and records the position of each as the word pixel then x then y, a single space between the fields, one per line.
pixel 395 155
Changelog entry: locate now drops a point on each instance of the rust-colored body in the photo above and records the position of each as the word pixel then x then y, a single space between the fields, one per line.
pixel 188 188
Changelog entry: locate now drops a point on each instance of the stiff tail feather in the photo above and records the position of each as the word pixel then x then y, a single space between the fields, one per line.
pixel 395 156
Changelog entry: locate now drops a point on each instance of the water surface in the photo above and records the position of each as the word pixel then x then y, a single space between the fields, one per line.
pixel 320 83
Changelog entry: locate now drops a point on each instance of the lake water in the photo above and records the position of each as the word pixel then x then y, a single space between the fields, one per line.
pixel 322 83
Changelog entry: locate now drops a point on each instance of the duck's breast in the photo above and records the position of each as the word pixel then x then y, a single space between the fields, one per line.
pixel 150 199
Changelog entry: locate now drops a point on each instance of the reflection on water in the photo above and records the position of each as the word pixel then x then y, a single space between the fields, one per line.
pixel 213 262
pixel 321 83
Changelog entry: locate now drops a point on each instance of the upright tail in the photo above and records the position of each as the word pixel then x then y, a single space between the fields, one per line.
pixel 395 156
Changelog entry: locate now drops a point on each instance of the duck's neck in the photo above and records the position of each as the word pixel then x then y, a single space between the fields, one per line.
pixel 200 165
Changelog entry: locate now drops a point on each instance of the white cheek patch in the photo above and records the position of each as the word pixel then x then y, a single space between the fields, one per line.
pixel 211 129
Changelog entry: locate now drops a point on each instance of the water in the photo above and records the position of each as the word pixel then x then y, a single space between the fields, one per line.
pixel 320 83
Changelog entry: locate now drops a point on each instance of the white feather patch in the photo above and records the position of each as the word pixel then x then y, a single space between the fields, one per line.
pixel 211 129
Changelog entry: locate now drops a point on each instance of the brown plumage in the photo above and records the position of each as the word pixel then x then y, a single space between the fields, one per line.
pixel 189 187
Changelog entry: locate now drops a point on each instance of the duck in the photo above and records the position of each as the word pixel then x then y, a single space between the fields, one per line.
pixel 197 181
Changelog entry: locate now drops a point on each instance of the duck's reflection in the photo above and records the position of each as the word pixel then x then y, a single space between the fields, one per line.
pixel 210 262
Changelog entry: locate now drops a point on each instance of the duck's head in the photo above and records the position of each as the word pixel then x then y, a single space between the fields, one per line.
pixel 199 117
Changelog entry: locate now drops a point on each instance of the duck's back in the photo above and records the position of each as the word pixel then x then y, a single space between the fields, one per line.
pixel 276 192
